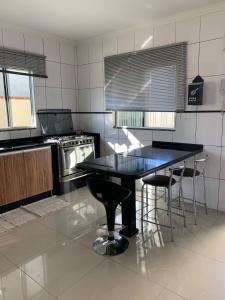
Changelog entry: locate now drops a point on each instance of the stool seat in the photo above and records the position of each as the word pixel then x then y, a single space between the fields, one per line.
pixel 188 172
pixel 159 180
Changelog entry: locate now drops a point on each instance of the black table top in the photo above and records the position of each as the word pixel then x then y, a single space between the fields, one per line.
pixel 142 161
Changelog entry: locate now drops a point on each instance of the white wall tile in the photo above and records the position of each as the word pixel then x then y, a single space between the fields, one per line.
pixel 212 25
pixel 51 49
pixel 68 76
pixel 97 123
pixel 19 134
pixel 141 135
pixel 192 60
pixel 222 174
pixel 85 123
pixel 213 161
pixel 69 99
pixel 82 53
pixel 84 102
pixel 67 53
pixel 165 136
pixel 13 39
pixel 221 204
pixel 97 100
pixel 143 38
pixel 188 30
pixel 83 77
pixel 109 46
pixel 223 137
pixel 34 44
pixel 212 192
pixel 212 58
pixel 126 42
pixel 96 75
pixel 53 72
pixel 212 96
pixel 95 50
pixel 54 97
pixel 164 34
pixel 39 81
pixel 1 38
pixel 40 98
pixel 185 128
pixel 206 125
pixel 110 132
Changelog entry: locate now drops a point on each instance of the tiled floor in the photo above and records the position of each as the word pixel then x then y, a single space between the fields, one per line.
pixel 51 258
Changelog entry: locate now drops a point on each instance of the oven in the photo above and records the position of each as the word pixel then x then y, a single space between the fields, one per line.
pixel 72 153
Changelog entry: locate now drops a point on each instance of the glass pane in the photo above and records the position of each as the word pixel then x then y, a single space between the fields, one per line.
pixel 20 100
pixel 3 107
pixel 161 120
pixel 164 120
pixel 129 119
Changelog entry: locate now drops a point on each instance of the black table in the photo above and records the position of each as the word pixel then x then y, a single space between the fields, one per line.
pixel 136 164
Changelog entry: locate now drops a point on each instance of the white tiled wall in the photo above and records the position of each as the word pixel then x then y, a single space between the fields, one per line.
pixel 59 90
pixel 205 37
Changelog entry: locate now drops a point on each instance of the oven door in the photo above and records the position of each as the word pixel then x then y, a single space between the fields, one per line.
pixel 70 156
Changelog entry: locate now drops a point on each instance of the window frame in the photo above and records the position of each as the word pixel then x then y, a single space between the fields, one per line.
pixel 5 73
pixel 143 128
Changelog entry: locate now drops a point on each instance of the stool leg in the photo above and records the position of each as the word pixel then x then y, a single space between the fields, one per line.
pixel 170 213
pixel 204 187
pixel 110 215
pixel 182 200
pixel 142 205
pixel 155 203
pixel 194 202
pixel 147 196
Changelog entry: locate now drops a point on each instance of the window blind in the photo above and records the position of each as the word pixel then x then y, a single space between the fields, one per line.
pixel 14 61
pixel 147 80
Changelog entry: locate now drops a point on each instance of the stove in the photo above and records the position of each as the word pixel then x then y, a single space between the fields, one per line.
pixel 72 150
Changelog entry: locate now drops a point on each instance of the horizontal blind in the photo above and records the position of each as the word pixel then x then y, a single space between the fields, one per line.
pixel 15 61
pixel 147 80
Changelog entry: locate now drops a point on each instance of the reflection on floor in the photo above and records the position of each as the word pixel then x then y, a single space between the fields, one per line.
pixel 51 258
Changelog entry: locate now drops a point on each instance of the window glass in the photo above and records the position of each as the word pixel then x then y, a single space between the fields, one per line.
pixel 20 100
pixel 153 120
pixel 3 107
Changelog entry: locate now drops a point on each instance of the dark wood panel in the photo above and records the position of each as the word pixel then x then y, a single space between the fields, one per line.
pixel 2 181
pixel 13 185
pixel 38 169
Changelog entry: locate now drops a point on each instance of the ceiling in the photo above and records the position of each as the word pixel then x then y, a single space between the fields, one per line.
pixel 76 19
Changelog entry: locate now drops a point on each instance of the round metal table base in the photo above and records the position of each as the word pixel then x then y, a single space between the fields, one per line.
pixel 103 246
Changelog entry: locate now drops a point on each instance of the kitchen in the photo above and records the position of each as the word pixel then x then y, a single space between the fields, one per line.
pixel 63 114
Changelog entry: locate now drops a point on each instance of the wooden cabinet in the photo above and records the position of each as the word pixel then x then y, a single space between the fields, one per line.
pixel 24 174
pixel 38 170
pixel 13 185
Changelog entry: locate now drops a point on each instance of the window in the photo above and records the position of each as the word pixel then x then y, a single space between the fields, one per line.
pixel 16 100
pixel 153 120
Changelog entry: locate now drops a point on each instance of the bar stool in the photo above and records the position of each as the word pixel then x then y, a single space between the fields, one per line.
pixel 193 173
pixel 166 182
pixel 110 195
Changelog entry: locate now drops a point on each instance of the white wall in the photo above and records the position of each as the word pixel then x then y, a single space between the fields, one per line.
pixel 59 90
pixel 205 36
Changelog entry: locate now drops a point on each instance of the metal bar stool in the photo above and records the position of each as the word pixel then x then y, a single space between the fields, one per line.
pixel 166 182
pixel 110 195
pixel 193 173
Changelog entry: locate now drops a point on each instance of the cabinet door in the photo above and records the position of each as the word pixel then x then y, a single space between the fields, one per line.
pixel 38 167
pixel 12 172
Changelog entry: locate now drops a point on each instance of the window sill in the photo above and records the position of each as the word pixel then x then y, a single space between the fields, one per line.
pixel 146 128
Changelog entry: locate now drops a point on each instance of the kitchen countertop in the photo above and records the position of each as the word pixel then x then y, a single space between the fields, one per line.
pixel 23 144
